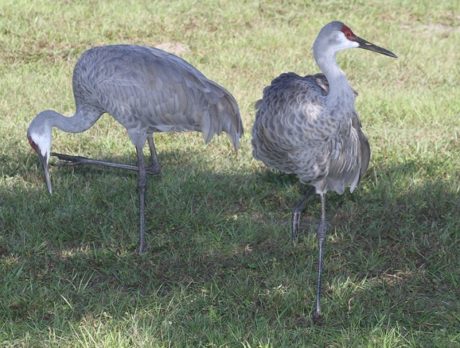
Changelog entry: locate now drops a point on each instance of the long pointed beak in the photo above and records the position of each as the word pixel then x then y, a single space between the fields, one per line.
pixel 44 163
pixel 371 47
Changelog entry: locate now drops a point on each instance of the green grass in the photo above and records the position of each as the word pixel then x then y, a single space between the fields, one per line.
pixel 220 270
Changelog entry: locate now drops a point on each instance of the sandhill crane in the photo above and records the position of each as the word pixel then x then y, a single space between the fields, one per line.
pixel 308 126
pixel 146 90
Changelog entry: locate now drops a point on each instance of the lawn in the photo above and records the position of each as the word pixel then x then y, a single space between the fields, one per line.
pixel 220 270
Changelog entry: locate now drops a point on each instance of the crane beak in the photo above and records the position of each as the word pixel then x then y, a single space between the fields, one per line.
pixel 371 47
pixel 44 162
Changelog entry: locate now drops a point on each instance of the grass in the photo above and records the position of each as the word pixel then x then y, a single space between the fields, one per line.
pixel 220 270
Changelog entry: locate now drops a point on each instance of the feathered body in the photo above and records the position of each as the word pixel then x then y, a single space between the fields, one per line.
pixel 149 90
pixel 297 133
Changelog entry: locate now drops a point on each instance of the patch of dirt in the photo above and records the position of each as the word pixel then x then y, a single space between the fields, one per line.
pixel 431 28
pixel 174 47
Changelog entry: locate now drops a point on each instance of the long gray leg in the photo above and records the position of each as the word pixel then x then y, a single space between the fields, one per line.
pixel 68 160
pixel 297 212
pixel 142 180
pixel 155 166
pixel 322 229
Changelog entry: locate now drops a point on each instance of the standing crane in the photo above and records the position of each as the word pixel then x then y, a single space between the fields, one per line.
pixel 147 90
pixel 308 126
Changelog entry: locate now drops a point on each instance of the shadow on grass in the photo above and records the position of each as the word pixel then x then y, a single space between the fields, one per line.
pixel 71 256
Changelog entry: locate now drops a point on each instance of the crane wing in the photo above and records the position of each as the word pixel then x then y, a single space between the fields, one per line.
pixel 285 134
pixel 350 153
pixel 290 135
pixel 147 88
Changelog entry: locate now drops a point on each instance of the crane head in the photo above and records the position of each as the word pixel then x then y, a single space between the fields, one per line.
pixel 350 36
pixel 39 136
pixel 336 36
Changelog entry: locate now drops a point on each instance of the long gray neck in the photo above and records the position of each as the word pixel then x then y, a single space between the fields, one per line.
pixel 341 97
pixel 73 124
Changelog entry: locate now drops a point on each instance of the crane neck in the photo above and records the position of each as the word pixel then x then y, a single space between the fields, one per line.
pixel 341 96
pixel 77 123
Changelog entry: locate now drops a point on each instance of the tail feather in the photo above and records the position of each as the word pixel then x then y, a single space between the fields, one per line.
pixel 223 116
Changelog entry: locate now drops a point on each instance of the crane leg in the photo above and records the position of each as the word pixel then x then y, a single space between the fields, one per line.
pixel 142 180
pixel 69 160
pixel 321 234
pixel 297 212
pixel 155 166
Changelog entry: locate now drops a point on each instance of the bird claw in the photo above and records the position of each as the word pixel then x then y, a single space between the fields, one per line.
pixel 68 160
pixel 62 163
pixel 154 170
pixel 317 318
pixel 296 213
pixel 141 249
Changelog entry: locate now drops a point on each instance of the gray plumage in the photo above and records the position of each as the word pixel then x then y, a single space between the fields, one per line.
pixel 147 90
pixel 308 126
pixel 294 134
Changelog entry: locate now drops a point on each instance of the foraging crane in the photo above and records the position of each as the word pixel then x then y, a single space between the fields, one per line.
pixel 308 126
pixel 146 90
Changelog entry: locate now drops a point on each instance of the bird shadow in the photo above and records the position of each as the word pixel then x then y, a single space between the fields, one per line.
pixel 218 227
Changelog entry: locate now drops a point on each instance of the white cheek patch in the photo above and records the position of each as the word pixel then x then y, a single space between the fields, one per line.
pixel 43 143
pixel 345 43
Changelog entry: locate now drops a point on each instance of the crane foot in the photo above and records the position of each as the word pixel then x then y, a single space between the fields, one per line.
pixel 317 318
pixel 68 160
